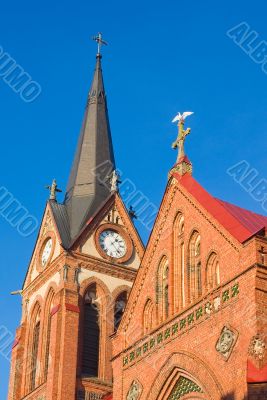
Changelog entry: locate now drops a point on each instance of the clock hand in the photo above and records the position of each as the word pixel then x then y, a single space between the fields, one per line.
pixel 112 244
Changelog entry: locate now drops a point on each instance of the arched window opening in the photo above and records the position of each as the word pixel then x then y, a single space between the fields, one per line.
pixel 91 334
pixel 217 274
pixel 47 349
pixel 162 289
pixel 213 272
pixel 184 386
pixel 182 269
pixel 34 351
pixel 49 307
pixel 181 225
pixel 148 316
pixel 194 268
pixel 165 286
pixel 198 280
pixel 178 263
pixel 120 305
pixel 197 247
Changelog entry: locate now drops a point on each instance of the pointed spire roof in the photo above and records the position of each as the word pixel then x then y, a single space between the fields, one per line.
pixel 88 188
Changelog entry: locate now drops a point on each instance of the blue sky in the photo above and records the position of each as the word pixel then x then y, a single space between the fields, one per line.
pixel 162 57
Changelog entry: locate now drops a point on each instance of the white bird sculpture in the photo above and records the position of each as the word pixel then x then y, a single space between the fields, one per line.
pixel 181 117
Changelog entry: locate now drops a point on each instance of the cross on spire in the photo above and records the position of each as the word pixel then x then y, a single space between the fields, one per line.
pixel 53 190
pixel 100 42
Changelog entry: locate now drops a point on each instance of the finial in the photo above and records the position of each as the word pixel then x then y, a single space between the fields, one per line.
pixel 182 133
pixel 53 190
pixel 183 165
pixel 100 42
pixel 114 180
pixel 132 213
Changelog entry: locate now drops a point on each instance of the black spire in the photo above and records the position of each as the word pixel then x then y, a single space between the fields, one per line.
pixel 94 159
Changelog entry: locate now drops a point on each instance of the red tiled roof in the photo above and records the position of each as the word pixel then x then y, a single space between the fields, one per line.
pixel 252 221
pixel 240 223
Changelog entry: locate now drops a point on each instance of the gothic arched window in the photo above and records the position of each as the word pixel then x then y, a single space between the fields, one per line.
pixel 49 306
pixel 178 263
pixel 35 339
pixel 163 289
pixel 213 271
pixel 120 304
pixel 148 316
pixel 185 386
pixel 194 268
pixel 91 334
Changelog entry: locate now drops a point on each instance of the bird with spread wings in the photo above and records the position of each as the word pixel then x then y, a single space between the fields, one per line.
pixel 181 117
pixel 182 133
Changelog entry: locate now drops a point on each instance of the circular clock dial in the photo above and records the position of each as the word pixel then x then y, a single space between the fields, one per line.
pixel 46 251
pixel 112 243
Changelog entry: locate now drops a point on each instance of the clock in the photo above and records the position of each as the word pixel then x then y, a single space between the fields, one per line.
pixel 47 249
pixel 112 243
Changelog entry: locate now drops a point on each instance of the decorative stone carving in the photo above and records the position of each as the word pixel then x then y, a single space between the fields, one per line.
pixel 217 303
pixel 48 224
pixel 134 391
pixel 226 342
pixel 257 347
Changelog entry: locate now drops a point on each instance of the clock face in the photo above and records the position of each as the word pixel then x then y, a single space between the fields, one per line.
pixel 112 243
pixel 46 252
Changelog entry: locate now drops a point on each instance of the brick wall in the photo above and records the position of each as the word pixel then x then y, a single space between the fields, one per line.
pixel 192 350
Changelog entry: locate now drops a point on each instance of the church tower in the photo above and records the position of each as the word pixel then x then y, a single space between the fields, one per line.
pixel 83 265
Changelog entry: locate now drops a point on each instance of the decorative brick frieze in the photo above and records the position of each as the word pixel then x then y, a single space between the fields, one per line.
pixel 204 310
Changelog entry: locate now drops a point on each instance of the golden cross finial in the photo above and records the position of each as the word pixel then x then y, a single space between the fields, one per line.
pixel 182 133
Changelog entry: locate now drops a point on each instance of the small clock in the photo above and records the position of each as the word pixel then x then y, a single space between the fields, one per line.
pixel 112 243
pixel 47 249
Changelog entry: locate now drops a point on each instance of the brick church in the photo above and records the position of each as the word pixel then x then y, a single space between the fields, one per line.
pixel 105 318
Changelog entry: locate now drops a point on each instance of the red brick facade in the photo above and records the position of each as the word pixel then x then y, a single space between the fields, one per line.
pixel 53 300
pixel 195 322
pixel 208 341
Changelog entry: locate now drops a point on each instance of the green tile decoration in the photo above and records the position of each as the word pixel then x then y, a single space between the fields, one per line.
pixel 184 386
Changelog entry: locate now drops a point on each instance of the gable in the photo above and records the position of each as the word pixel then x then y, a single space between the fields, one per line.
pixel 198 221
pixel 48 241
pixel 112 216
